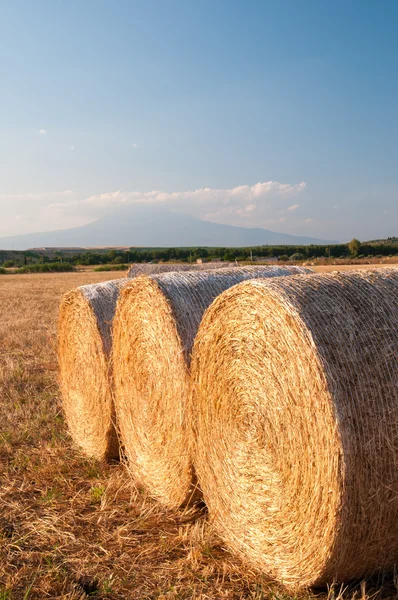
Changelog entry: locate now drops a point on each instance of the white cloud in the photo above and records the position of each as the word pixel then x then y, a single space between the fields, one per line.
pixel 61 206
pixel 235 196
pixel 134 145
pixel 43 131
pixel 309 220
pixel 247 210
pixel 258 204
pixel 71 147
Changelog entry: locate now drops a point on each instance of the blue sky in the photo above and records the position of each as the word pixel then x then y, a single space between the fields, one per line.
pixel 104 103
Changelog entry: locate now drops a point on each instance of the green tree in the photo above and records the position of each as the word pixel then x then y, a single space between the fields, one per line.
pixel 354 246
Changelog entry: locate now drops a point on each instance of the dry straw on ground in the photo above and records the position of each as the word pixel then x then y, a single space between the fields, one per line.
pixel 84 345
pixel 153 269
pixel 296 420
pixel 154 329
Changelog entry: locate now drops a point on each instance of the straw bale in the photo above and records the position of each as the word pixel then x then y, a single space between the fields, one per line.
pixel 295 401
pixel 84 345
pixel 154 328
pixel 152 269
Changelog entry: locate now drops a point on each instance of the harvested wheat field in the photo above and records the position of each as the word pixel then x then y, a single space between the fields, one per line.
pixel 74 528
pixel 154 328
pixel 295 385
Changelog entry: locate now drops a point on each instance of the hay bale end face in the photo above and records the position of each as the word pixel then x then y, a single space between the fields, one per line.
pixel 154 328
pixel 84 345
pixel 295 398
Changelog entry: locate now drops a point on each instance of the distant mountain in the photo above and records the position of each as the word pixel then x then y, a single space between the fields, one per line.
pixel 150 226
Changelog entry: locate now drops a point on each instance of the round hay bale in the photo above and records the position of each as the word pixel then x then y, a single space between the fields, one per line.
pixel 295 400
pixel 153 269
pixel 84 345
pixel 154 328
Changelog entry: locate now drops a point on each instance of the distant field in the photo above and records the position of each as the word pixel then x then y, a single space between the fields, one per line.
pixel 73 528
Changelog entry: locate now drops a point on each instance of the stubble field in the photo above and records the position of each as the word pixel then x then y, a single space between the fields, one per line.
pixel 74 528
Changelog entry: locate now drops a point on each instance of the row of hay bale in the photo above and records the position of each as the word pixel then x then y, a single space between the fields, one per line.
pixel 157 268
pixel 85 339
pixel 279 394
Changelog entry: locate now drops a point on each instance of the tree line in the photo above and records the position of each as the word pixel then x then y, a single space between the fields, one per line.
pixel 354 249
